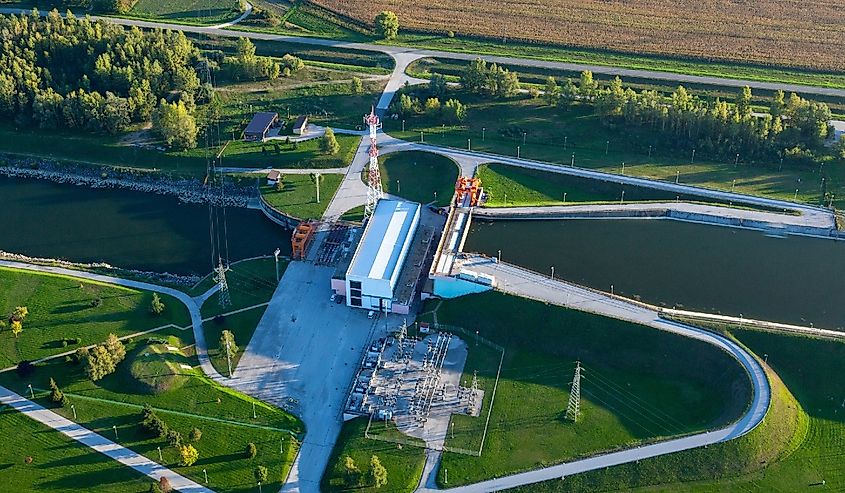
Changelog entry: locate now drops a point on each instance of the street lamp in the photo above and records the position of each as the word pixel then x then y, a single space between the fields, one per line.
pixel 160 458
pixel 606 147
pixel 796 195
pixel 564 197
pixel 733 184
pixel 483 131
pixel 573 160
pixel 421 136
pixel 114 427
pixel 73 408
pixel 692 159
pixel 499 257
pixel 398 188
pixel 435 195
pixel 677 176
pixel 276 255
pixel 517 152
pixel 403 125
pixel 564 141
pixel 254 416
pixel 206 475
pixel 623 167
pixel 31 392
pixel 622 200
pixel 524 134
pixel 469 147
pixel 553 273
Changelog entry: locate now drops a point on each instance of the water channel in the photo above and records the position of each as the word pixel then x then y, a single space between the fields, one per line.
pixel 692 266
pixel 127 229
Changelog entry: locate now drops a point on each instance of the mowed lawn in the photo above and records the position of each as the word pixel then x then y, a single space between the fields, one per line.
pixel 242 325
pixel 187 11
pixel 556 134
pixel 404 463
pixel 639 384
pixel 798 447
pixel 224 416
pixel 62 308
pixel 298 197
pixel 509 186
pixel 418 176
pixel 59 464
pixel 251 282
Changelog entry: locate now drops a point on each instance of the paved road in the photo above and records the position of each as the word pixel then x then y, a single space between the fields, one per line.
pixel 404 54
pixel 520 282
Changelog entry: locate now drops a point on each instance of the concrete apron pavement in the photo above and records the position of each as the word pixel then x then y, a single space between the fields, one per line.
pixel 303 357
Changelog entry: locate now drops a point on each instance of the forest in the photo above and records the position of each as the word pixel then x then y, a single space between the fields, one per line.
pixel 85 74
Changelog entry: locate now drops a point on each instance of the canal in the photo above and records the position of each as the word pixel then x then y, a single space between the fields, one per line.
pixel 691 266
pixel 127 229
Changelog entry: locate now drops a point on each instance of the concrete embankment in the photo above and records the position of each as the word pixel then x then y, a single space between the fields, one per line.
pixel 812 223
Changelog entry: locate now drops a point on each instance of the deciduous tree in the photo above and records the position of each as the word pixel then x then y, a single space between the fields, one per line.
pixel 387 24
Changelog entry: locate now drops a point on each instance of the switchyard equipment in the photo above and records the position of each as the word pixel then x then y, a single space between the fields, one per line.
pixel 374 191
pixel 301 239
pixel 468 192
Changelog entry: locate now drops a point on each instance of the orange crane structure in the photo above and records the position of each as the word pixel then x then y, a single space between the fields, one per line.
pixel 301 239
pixel 468 192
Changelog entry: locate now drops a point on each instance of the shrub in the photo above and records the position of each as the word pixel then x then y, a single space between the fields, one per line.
pixel 64 342
pixel 156 305
pixel 195 434
pixel 251 450
pixel 174 438
pixel 261 474
pixel 189 455
pixel 96 302
pixel 378 473
pixel 152 423
pixel 56 395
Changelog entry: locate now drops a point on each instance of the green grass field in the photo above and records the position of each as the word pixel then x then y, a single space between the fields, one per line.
pixel 61 308
pixel 250 282
pixel 356 214
pixel 59 464
pixel 555 134
pixel 797 448
pixel 404 464
pixel 419 176
pixel 508 186
pixel 298 198
pixel 223 415
pixel 203 12
pixel 242 325
pixel 635 387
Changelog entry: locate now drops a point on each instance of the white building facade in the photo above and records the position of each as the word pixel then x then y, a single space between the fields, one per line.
pixel 375 268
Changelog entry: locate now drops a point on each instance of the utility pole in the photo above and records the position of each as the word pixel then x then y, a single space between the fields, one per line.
pixel 573 408
pixel 229 356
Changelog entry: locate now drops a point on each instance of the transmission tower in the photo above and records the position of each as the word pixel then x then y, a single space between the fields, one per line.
pixel 374 191
pixel 218 252
pixel 573 409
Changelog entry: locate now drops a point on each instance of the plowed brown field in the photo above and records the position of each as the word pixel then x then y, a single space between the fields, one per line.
pixel 808 33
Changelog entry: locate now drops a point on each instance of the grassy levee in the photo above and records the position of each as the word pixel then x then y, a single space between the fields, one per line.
pixel 298 197
pixel 797 447
pixel 224 416
pixel 404 464
pixel 62 309
pixel 418 176
pixel 639 385
pixel 555 134
pixel 509 186
pixel 59 464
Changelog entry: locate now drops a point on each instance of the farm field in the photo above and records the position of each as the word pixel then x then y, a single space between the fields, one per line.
pixel 61 309
pixel 634 394
pixel 791 34
pixel 298 198
pixel 797 448
pixel 576 134
pixel 418 176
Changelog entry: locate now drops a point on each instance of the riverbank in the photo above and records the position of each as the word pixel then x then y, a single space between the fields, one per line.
pixel 188 190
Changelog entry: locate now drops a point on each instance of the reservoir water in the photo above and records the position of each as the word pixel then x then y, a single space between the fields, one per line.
pixel 127 229
pixel 691 266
